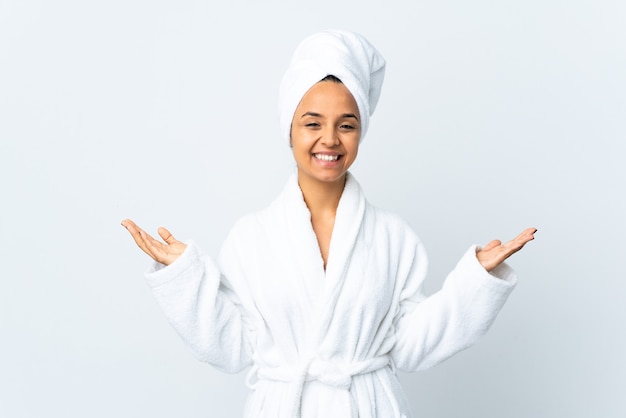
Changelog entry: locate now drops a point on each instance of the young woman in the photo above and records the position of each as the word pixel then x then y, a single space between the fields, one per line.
pixel 320 293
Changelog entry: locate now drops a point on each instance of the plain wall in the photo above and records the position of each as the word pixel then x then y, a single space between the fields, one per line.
pixel 495 116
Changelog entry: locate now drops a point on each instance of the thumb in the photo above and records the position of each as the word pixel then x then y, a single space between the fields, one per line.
pixel 492 244
pixel 166 235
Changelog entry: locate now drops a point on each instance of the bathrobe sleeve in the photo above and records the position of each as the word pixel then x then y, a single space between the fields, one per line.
pixel 201 304
pixel 431 329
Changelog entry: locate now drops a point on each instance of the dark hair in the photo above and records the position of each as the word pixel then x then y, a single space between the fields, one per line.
pixel 332 78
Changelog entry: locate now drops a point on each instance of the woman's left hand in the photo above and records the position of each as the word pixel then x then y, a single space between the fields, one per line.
pixel 494 253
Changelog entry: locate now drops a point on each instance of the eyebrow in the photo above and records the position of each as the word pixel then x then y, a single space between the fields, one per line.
pixel 317 115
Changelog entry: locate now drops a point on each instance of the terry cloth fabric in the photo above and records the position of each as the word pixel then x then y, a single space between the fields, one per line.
pixel 346 55
pixel 325 343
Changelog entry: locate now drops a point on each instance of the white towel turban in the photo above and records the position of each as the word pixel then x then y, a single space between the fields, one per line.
pixel 346 55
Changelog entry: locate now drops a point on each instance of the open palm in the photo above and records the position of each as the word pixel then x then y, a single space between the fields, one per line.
pixel 494 253
pixel 163 252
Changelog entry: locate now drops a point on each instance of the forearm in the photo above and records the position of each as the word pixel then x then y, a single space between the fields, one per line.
pixel 201 310
pixel 432 330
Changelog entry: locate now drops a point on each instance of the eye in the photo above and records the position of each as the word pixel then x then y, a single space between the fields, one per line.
pixel 312 125
pixel 347 127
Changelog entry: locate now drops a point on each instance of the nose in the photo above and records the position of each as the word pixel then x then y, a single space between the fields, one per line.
pixel 330 137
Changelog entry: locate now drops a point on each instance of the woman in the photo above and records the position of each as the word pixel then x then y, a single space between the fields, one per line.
pixel 320 293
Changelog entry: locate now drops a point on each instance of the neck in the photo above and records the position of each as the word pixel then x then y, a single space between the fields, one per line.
pixel 321 196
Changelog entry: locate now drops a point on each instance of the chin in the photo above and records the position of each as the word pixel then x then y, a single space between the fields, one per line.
pixel 331 179
pixel 323 177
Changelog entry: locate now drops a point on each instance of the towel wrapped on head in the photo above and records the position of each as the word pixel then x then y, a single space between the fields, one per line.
pixel 346 55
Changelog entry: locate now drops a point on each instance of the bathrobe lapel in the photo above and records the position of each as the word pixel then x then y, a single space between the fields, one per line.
pixel 348 223
pixel 306 262
pixel 321 289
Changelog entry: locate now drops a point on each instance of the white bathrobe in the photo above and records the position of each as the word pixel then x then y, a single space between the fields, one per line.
pixel 325 343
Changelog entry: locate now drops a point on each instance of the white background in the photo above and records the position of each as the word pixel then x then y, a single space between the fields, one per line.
pixel 495 116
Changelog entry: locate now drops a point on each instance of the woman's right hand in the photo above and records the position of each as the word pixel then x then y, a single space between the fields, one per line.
pixel 164 253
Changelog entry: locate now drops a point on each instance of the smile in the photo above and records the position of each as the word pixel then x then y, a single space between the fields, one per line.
pixel 326 157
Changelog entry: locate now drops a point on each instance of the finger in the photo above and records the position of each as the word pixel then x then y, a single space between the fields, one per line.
pixel 136 233
pixel 518 242
pixel 494 253
pixel 167 236
pixel 527 235
pixel 129 224
pixel 155 248
pixel 149 245
pixel 489 255
pixel 492 244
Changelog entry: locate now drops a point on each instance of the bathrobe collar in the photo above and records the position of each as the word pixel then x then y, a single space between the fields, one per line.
pixel 324 286
pixel 348 220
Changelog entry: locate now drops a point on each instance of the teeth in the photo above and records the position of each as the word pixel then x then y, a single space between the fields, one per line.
pixel 325 157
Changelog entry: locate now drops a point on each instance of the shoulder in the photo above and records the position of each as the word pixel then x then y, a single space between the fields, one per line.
pixel 389 233
pixel 392 224
pixel 382 220
pixel 255 226
pixel 392 236
pixel 246 226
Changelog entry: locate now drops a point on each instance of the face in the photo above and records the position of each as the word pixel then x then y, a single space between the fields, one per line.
pixel 325 133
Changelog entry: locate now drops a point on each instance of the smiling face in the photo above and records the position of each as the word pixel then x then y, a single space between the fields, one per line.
pixel 325 133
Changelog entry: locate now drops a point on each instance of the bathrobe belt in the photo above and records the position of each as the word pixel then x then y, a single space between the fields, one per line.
pixel 329 372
